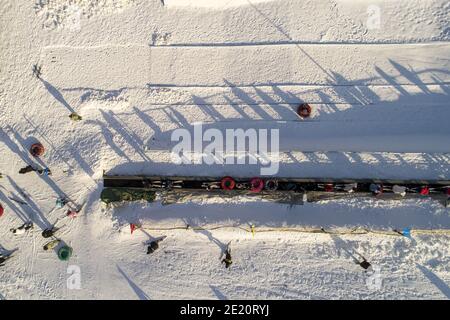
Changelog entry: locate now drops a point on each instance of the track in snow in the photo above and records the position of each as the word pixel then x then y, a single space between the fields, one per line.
pixel 114 67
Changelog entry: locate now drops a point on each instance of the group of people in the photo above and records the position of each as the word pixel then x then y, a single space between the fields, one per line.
pixel 153 245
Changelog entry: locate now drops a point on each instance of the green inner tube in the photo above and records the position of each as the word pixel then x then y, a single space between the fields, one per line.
pixel 64 253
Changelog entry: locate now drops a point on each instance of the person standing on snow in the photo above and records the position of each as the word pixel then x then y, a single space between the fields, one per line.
pixel 3 259
pixel 75 116
pixel 30 168
pixel 227 260
pixel 45 172
pixel 50 232
pixel 37 70
pixel 153 245
pixel 23 228
pixel 364 264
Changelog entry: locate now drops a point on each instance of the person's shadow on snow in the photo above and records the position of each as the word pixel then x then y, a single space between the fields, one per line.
pixel 56 94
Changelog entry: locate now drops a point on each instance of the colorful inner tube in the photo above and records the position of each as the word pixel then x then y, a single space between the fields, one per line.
pixel 37 149
pixel 304 110
pixel 64 253
pixel 256 185
pixel 227 183
pixel 1 210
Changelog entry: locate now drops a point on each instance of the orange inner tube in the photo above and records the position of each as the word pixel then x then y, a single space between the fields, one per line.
pixel 37 149
pixel 304 110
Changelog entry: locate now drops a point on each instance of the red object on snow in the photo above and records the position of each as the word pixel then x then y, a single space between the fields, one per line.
pixel 1 210
pixel 71 213
pixel 37 149
pixel 304 110
pixel 448 191
pixel 256 185
pixel 132 227
pixel 227 183
pixel 329 187
pixel 425 191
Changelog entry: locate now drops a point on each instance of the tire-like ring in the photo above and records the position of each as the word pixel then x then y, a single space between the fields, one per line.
pixel 304 110
pixel 256 185
pixel 227 183
pixel 37 150
pixel 271 185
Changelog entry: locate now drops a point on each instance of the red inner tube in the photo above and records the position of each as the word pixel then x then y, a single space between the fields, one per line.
pixel 227 183
pixel 329 187
pixel 256 185
pixel 304 110
pixel 37 149
pixel 425 191
pixel 1 210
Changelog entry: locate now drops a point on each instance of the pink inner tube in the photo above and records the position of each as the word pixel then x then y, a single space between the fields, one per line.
pixel 256 185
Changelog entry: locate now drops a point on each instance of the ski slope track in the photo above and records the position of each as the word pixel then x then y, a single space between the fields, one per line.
pixel 104 67
pixel 136 71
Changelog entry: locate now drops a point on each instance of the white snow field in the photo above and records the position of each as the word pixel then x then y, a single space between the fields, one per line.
pixel 377 74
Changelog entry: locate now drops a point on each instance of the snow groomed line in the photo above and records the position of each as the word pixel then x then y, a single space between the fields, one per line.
pixel 298 164
pixel 352 136
pixel 340 64
pixel 405 232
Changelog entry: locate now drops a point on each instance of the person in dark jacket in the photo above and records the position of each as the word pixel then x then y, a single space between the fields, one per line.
pixel 50 232
pixel 153 245
pixel 227 260
pixel 3 259
pixel 23 228
pixel 364 264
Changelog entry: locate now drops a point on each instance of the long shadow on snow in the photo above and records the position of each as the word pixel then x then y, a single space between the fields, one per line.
pixel 438 282
pixel 138 291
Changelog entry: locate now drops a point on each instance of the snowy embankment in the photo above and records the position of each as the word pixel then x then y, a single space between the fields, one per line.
pixel 137 70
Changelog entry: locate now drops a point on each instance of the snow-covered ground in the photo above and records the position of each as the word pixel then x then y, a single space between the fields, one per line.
pixel 137 70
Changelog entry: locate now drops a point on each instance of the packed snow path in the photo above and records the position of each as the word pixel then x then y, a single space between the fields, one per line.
pixel 114 67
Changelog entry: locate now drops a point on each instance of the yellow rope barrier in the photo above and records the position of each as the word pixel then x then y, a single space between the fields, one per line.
pixel 252 230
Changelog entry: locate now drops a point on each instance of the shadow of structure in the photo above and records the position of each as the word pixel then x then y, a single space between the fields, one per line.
pixel 434 279
pixel 218 293
pixel 138 291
